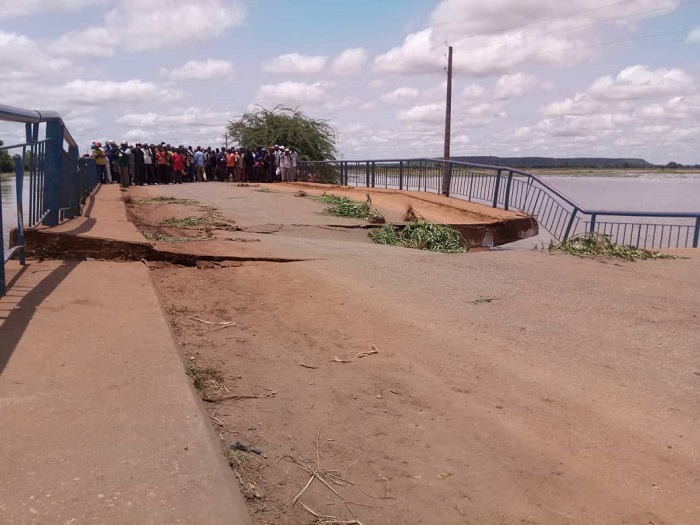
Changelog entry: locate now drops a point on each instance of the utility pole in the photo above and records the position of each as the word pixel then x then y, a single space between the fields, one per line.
pixel 448 122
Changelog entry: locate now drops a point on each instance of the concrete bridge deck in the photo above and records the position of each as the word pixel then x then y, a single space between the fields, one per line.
pixel 508 387
pixel 99 423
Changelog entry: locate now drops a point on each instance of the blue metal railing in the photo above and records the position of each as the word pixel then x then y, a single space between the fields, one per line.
pixel 512 189
pixel 59 181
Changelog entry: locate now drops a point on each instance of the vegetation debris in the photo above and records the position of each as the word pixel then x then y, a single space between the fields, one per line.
pixel 185 222
pixel 422 235
pixel 344 207
pixel 600 245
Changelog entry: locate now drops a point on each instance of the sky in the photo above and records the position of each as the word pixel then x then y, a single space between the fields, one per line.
pixel 591 78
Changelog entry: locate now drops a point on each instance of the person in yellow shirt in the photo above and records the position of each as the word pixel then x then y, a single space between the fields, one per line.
pixel 100 162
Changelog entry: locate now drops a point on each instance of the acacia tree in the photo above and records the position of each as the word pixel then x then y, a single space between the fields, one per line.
pixel 313 139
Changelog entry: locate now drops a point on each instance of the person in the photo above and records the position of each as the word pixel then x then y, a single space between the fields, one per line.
pixel 100 162
pixel 148 165
pixel 286 165
pixel 240 166
pixel 231 165
pixel 139 165
pixel 189 164
pixel 199 162
pixel 111 151
pixel 249 161
pixel 162 165
pixel 295 161
pixel 178 166
pixel 270 165
pixel 123 158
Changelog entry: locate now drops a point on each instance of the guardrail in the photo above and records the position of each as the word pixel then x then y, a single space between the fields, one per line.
pixel 58 180
pixel 512 189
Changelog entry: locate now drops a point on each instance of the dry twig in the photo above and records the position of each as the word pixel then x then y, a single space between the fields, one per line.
pixel 271 393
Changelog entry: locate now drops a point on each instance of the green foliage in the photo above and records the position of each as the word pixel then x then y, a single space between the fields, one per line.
pixel 166 238
pixel 313 139
pixel 7 165
pixel 597 244
pixel 422 235
pixel 164 200
pixel 185 222
pixel 344 207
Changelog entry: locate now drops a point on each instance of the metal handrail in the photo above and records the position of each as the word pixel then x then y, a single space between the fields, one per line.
pixel 58 180
pixel 555 211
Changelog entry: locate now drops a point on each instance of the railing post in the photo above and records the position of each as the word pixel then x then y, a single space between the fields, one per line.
pixel 570 224
pixel 75 196
pixel 400 174
pixel 497 188
pixel 19 186
pixel 509 181
pixel 696 234
pixel 54 169
pixel 591 228
pixel 367 174
pixel 2 251
pixel 373 172
pixel 344 173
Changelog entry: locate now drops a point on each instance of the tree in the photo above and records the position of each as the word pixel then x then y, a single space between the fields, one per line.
pixel 313 139
pixel 7 165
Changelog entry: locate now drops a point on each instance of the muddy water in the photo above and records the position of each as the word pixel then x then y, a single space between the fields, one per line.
pixel 9 205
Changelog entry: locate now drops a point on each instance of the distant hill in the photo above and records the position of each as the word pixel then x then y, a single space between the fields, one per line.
pixel 549 162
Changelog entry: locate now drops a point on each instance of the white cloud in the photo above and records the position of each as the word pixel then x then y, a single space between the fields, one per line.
pixel 415 55
pixel 208 69
pixel 18 8
pixel 496 36
pixel 89 92
pixel 187 117
pixel 349 62
pixel 473 92
pixel 293 94
pixel 640 82
pixel 139 25
pixel 694 36
pixel 516 85
pixel 22 58
pixel 454 18
pixel 400 95
pixel 295 64
pixel 432 113
pixel 91 42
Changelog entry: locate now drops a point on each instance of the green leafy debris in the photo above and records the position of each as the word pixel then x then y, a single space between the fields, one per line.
pixel 184 222
pixel 164 200
pixel 344 207
pixel 422 235
pixel 600 245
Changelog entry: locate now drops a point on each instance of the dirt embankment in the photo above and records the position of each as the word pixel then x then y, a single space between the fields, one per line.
pixel 387 385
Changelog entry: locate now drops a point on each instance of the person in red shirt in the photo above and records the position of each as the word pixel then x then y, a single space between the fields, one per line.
pixel 178 165
pixel 231 160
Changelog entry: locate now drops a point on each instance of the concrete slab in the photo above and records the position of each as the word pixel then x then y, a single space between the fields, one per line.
pixel 104 216
pixel 99 421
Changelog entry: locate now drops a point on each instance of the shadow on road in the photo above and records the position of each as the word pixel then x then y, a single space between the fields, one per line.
pixel 27 289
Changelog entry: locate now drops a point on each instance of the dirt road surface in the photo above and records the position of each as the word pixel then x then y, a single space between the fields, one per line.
pixel 481 388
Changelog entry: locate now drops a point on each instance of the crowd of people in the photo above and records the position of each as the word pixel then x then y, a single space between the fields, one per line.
pixel 143 164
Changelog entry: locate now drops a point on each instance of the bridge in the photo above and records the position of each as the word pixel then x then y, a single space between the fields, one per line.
pixel 542 364
pixel 59 182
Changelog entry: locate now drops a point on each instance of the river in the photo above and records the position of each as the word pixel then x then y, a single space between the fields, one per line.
pixel 647 192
